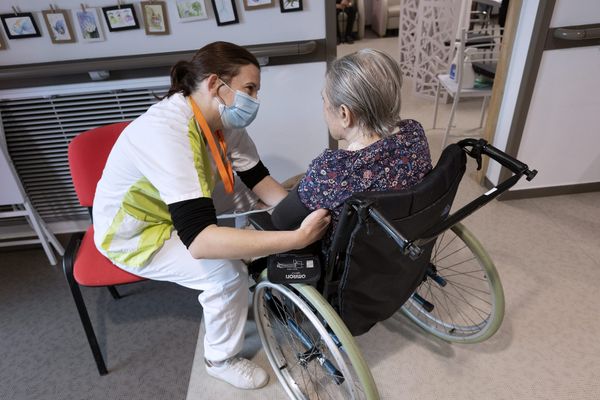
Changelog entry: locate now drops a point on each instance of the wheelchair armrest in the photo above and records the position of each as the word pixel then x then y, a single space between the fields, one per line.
pixel 262 221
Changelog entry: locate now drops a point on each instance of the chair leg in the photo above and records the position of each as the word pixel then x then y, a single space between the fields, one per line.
pixel 437 102
pixel 33 221
pixel 52 239
pixel 68 262
pixel 450 120
pixel 483 107
pixel 114 293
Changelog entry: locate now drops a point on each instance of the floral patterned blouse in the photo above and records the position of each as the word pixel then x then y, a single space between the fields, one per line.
pixel 393 163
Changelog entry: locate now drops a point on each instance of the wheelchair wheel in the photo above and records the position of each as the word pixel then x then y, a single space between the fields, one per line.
pixel 461 298
pixel 310 349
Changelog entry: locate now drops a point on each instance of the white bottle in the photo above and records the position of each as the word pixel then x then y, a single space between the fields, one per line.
pixel 468 75
pixel 452 71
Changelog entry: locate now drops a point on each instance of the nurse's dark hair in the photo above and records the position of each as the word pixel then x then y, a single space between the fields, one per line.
pixel 221 58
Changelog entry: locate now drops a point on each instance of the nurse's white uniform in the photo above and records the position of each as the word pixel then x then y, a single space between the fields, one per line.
pixel 159 159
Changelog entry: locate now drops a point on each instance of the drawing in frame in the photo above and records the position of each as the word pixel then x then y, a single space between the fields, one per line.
pixel 155 17
pixel 191 10
pixel 90 27
pixel 290 5
pixel 20 25
pixel 225 12
pixel 120 18
pixel 2 43
pixel 256 4
pixel 59 26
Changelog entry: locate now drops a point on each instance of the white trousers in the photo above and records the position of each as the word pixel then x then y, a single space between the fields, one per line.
pixel 224 283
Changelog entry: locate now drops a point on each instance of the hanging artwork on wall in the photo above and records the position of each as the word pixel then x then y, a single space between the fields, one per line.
pixel 155 17
pixel 59 26
pixel 191 10
pixel 88 21
pixel 225 12
pixel 120 18
pixel 290 5
pixel 256 4
pixel 20 25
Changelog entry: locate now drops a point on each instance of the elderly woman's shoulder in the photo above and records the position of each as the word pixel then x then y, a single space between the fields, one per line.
pixel 411 126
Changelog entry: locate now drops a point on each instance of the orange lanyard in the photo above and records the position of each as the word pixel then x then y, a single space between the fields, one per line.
pixel 220 157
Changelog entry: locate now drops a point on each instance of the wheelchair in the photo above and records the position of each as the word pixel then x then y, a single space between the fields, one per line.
pixel 391 251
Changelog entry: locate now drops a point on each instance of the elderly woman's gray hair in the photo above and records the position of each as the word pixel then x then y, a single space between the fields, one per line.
pixel 368 82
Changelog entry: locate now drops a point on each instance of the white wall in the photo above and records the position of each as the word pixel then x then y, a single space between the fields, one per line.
pixel 561 136
pixel 266 25
pixel 290 130
pixel 513 82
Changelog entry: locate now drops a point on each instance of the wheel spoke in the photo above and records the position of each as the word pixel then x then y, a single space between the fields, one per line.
pixel 470 305
pixel 293 331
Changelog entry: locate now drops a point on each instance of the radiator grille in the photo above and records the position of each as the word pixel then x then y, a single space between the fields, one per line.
pixel 38 131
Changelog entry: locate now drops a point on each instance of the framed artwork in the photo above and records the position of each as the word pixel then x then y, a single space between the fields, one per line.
pixel 120 18
pixel 255 4
pixel 290 5
pixel 20 25
pixel 155 17
pixel 88 21
pixel 191 10
pixel 225 12
pixel 2 43
pixel 59 26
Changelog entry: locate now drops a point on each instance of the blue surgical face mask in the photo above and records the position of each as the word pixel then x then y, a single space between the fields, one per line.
pixel 241 113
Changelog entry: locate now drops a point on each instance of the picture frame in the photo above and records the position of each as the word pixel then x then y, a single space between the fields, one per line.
pixel 2 43
pixel 90 27
pixel 290 5
pixel 257 4
pixel 225 12
pixel 155 18
pixel 120 17
pixel 59 26
pixel 191 10
pixel 19 25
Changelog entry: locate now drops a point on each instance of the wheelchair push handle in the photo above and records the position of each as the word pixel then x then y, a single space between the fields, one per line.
pixel 406 246
pixel 481 146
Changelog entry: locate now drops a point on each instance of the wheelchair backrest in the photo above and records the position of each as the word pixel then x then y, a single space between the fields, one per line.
pixel 368 277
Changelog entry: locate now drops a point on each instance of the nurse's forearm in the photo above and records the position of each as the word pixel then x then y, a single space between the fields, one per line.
pixel 221 242
pixel 269 191
pixel 216 242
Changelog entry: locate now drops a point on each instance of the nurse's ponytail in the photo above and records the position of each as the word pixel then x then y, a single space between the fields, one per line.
pixel 221 58
pixel 182 79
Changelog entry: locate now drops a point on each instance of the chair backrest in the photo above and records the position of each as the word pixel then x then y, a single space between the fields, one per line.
pixel 368 277
pixel 484 51
pixel 88 153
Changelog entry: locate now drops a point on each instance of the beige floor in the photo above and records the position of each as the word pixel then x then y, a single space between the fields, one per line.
pixel 547 251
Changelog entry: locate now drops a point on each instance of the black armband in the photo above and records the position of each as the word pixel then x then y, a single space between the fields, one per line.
pixel 190 217
pixel 290 212
pixel 253 175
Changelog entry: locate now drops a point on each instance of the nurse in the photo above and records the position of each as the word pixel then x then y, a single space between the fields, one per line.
pixel 155 205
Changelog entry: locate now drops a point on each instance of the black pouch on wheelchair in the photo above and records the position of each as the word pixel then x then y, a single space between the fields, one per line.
pixel 293 268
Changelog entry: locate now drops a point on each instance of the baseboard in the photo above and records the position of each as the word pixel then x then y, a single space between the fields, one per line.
pixel 546 191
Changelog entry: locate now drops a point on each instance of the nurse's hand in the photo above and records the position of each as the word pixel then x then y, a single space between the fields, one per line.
pixel 313 227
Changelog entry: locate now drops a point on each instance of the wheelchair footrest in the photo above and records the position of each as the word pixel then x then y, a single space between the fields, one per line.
pixel 293 268
pixel 423 303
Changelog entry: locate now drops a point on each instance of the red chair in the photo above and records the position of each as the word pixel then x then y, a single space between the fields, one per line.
pixel 83 264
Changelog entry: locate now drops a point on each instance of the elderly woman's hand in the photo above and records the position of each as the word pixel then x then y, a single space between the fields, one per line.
pixel 313 227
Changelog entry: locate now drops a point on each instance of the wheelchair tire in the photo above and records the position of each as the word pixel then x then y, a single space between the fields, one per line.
pixel 310 349
pixel 469 308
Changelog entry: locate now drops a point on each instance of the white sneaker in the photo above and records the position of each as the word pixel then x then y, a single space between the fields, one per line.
pixel 239 372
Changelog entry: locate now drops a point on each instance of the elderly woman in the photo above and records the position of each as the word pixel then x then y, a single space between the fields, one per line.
pixel 361 104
